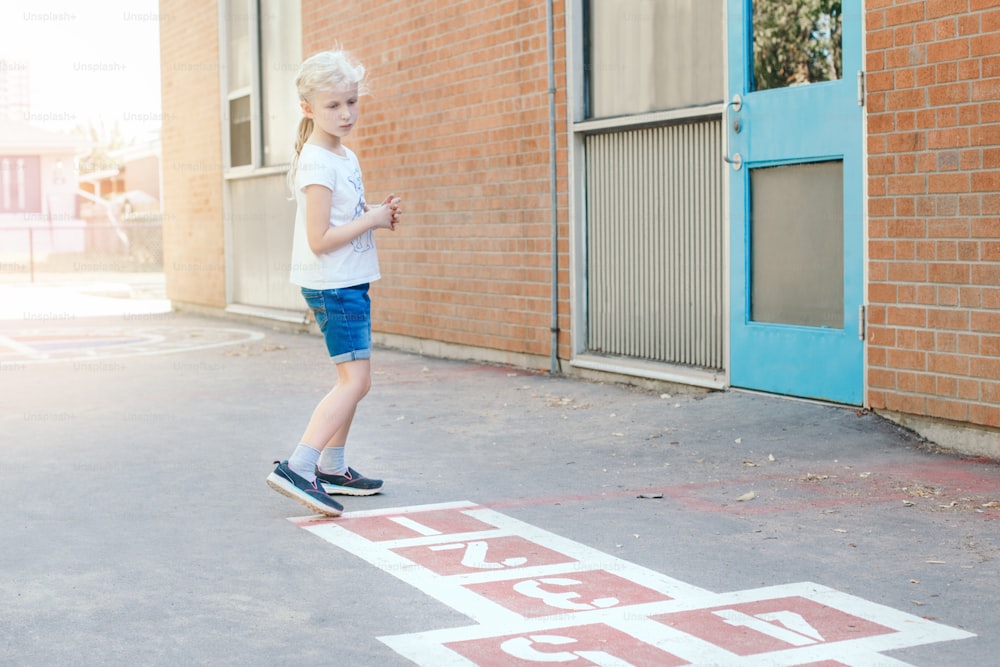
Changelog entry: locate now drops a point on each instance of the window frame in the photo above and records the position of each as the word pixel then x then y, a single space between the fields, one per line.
pixel 579 126
pixel 255 91
pixel 581 85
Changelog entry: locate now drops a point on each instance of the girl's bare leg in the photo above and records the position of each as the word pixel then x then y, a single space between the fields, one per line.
pixel 332 417
pixel 332 459
pixel 339 438
pixel 332 420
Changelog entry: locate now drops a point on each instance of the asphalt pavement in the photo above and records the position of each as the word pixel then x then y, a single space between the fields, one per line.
pixel 137 528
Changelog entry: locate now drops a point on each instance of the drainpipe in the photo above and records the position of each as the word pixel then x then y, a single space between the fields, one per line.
pixel 554 327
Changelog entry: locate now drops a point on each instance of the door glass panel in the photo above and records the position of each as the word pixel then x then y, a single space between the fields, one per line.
pixel 797 244
pixel 796 42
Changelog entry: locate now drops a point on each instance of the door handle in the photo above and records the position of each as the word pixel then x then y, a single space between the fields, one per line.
pixel 735 104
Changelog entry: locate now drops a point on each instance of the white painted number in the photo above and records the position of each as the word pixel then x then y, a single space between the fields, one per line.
pixel 533 589
pixel 415 526
pixel 796 630
pixel 523 648
pixel 475 556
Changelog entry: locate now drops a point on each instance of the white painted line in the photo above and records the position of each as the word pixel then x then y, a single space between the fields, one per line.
pixel 593 558
pixel 850 655
pixel 693 649
pixel 391 511
pixel 790 624
pixel 907 630
pixel 440 538
pixel 533 571
pixel 429 649
pixel 457 597
pixel 21 348
pixel 425 649
pixel 452 589
pixel 414 526
pixel 110 352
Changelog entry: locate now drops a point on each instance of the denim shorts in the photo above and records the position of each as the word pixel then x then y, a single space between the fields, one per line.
pixel 344 317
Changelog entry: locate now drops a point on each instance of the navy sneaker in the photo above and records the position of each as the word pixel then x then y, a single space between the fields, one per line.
pixel 351 484
pixel 289 483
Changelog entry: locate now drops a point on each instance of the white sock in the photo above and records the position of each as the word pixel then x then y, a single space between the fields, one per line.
pixel 303 461
pixel 331 461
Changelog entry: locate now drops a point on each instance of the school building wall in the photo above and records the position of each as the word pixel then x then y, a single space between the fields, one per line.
pixel 193 230
pixel 457 124
pixel 933 119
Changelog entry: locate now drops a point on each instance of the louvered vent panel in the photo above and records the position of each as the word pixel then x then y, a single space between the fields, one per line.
pixel 655 244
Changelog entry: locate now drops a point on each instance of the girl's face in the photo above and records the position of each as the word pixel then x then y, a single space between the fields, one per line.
pixel 334 112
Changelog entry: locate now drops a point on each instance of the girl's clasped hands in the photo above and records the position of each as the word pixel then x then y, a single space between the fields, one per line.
pixel 388 212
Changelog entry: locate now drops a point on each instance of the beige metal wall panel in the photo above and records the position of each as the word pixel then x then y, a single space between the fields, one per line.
pixel 261 223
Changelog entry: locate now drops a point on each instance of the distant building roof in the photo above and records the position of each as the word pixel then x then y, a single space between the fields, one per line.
pixel 20 137
pixel 149 147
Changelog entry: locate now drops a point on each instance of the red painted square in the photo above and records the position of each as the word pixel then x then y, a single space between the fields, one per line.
pixel 490 554
pixel 583 646
pixel 566 593
pixel 772 625
pixel 442 522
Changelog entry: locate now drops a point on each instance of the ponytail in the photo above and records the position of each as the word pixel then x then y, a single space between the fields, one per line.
pixel 302 135
pixel 305 129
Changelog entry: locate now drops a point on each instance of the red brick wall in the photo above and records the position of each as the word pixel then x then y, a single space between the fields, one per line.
pixel 933 78
pixel 457 124
pixel 193 233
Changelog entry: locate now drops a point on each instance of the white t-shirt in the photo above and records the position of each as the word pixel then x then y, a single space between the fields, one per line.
pixel 352 264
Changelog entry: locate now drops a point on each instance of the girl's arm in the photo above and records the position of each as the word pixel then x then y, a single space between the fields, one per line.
pixel 324 237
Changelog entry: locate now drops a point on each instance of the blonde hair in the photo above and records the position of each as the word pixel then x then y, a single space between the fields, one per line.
pixel 322 72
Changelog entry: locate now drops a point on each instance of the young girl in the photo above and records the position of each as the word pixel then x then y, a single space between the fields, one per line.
pixel 333 261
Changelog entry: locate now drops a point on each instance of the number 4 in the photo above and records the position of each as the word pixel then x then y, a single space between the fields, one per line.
pixel 796 630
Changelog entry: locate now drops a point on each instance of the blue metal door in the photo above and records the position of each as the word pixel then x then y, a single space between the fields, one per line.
pixel 795 139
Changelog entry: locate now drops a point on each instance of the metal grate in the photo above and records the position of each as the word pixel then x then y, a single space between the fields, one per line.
pixel 655 242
